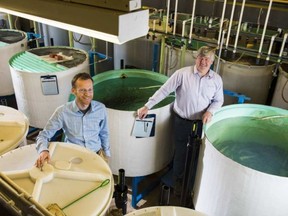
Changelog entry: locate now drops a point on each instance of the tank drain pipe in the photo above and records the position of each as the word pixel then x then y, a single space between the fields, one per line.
pixel 221 21
pixel 192 20
pixel 270 47
pixel 239 25
pixel 120 192
pixel 164 196
pixel 175 17
pixel 220 51
pixel 264 29
pixel 230 23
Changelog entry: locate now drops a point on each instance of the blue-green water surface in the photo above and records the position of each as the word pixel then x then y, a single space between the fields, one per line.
pixel 128 94
pixel 261 144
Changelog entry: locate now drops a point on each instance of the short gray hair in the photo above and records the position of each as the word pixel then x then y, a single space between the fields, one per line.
pixel 207 52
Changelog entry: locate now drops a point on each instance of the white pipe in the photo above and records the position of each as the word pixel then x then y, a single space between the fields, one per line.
pixel 270 47
pixel 221 21
pixel 154 24
pixel 175 17
pixel 167 16
pixel 282 46
pixel 192 20
pixel 183 26
pixel 264 29
pixel 220 51
pixel 230 23
pixel 239 25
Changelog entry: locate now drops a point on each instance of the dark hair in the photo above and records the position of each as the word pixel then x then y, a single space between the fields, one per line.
pixel 80 76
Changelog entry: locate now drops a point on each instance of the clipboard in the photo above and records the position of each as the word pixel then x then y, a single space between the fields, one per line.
pixel 144 127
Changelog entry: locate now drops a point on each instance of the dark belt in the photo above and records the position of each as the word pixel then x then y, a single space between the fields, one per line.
pixel 182 118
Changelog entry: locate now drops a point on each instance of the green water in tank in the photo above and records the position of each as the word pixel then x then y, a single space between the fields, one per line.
pixel 128 94
pixel 261 144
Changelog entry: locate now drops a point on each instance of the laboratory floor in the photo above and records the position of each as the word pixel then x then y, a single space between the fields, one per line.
pixel 153 198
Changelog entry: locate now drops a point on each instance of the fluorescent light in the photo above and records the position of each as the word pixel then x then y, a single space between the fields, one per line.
pixel 109 25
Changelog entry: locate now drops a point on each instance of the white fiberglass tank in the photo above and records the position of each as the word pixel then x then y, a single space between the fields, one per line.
pixel 123 92
pixel 246 75
pixel 166 211
pixel 14 127
pixel 42 79
pixel 280 97
pixel 11 42
pixel 243 166
pixel 77 181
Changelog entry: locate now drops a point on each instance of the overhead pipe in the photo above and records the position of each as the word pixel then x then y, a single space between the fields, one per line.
pixel 184 26
pixel 220 51
pixel 192 20
pixel 175 17
pixel 230 23
pixel 282 47
pixel 167 16
pixel 264 29
pixel 239 25
pixel 280 55
pixel 270 47
pixel 221 22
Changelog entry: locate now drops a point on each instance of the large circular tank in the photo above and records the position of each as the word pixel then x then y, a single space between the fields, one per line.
pixel 44 83
pixel 123 92
pixel 72 179
pixel 14 127
pixel 11 42
pixel 280 97
pixel 243 168
pixel 244 75
pixel 175 51
pixel 165 211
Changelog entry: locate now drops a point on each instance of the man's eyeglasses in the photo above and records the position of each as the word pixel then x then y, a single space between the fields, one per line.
pixel 84 91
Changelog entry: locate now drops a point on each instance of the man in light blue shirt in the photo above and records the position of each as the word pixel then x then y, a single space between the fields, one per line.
pixel 199 93
pixel 83 121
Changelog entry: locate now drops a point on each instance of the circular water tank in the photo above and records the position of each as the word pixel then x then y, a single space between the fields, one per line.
pixel 165 211
pixel 280 97
pixel 123 92
pixel 243 162
pixel 244 75
pixel 174 56
pixel 77 180
pixel 14 127
pixel 44 83
pixel 11 42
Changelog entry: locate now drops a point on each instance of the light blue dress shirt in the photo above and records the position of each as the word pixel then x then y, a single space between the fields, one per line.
pixel 89 130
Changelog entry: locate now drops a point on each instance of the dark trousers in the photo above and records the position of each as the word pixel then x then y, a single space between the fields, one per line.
pixel 182 129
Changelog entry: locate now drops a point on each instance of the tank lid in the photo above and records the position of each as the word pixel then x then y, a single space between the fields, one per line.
pixel 29 62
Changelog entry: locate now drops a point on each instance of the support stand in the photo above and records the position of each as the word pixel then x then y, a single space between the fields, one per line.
pixel 191 162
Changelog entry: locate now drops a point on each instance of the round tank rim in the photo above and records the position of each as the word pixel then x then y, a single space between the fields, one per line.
pixel 108 75
pixel 224 61
pixel 243 106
